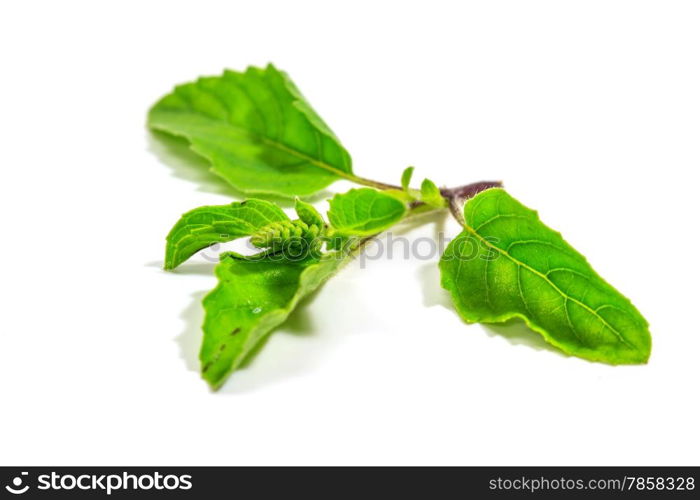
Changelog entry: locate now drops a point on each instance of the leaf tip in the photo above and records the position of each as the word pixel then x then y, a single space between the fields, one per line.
pixel 406 177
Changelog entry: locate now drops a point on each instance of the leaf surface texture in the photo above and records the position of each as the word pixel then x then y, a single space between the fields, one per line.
pixel 203 226
pixel 364 211
pixel 252 298
pixel 507 264
pixel 257 130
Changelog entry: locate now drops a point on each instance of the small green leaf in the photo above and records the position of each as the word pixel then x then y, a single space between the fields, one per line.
pixel 257 130
pixel 364 212
pixel 251 299
pixel 430 194
pixel 406 178
pixel 203 226
pixel 308 213
pixel 507 264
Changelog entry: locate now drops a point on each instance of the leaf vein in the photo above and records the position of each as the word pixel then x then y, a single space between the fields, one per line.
pixel 553 285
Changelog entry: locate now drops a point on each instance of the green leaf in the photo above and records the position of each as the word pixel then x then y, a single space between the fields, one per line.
pixel 364 212
pixel 251 299
pixel 203 226
pixel 257 130
pixel 406 178
pixel 308 214
pixel 430 194
pixel 507 264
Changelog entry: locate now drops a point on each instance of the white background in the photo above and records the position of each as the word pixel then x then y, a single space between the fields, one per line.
pixel 589 111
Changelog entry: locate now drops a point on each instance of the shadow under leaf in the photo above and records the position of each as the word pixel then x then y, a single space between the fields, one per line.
pixel 433 294
pixel 516 332
pixel 175 152
pixel 299 324
pixel 191 337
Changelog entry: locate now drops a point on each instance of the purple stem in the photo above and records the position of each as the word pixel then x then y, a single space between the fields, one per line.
pixel 457 196
pixel 467 191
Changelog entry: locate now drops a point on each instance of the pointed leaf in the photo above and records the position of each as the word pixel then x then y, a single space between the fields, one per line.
pixel 430 194
pixel 203 226
pixel 406 178
pixel 257 131
pixel 508 264
pixel 251 299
